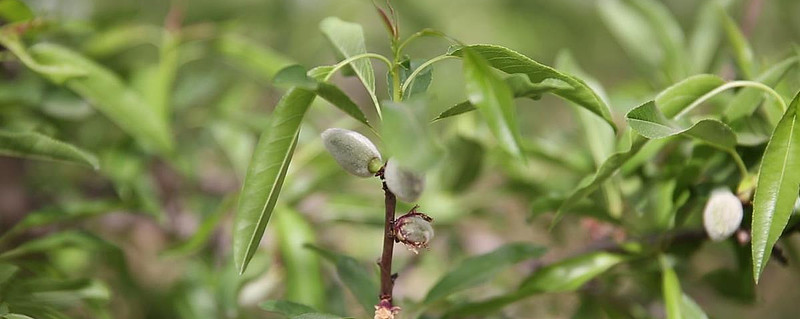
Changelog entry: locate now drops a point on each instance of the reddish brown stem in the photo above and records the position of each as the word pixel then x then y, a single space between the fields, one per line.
pixel 387 282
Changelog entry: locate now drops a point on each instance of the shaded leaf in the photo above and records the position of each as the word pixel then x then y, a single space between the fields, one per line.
pixel 511 62
pixel 420 83
pixel 404 130
pixel 204 232
pixel 61 213
pixel 286 308
pixel 38 146
pixel 478 269
pixel 690 309
pixel 464 162
pixel 566 275
pixel 777 188
pixel 348 39
pixel 251 56
pixel 355 277
pixel 55 241
pixel 673 100
pixel 266 173
pixel 705 37
pixel 106 91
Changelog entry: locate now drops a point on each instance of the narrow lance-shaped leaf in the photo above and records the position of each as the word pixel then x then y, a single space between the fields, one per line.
pixel 511 62
pixel 478 269
pixel 520 87
pixel 39 146
pixel 705 37
pixel 296 75
pixel 266 173
pixel 303 279
pixel 739 44
pixel 566 275
pixel 494 100
pixel 669 35
pixel 748 99
pixel 670 290
pixel 348 39
pixel 777 188
pixel 355 277
pixel 106 91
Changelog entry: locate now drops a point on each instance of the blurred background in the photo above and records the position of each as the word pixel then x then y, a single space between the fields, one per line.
pixel 148 235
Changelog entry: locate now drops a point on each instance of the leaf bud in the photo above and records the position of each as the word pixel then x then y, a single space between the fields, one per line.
pixel 722 214
pixel 354 152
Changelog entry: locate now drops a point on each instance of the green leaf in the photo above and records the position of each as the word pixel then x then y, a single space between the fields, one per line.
pixel 355 277
pixel 348 39
pixel 511 62
pixel 748 99
pixel 236 142
pixel 670 290
pixel 106 91
pixel 204 232
pixel 15 316
pixel 648 121
pixel 251 56
pixel 564 276
pixel 61 213
pixel 777 188
pixel 15 11
pixel 266 173
pixel 304 283
pixel 739 44
pixel 286 308
pixel 464 162
pixel 58 70
pixel 420 83
pixel 690 309
pixel 493 98
pixel 520 87
pixel 706 37
pixel 318 316
pixel 668 33
pixel 403 130
pixel 296 75
pixel 673 100
pixel 38 146
pixel 56 241
pixel 478 269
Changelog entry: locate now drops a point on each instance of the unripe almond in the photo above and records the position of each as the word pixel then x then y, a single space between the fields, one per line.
pixel 414 230
pixel 722 215
pixel 405 184
pixel 354 152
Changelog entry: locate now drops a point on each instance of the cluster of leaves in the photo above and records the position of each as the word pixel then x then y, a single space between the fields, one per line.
pixel 649 176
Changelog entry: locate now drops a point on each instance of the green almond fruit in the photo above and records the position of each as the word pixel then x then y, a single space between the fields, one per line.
pixel 354 152
pixel 722 215
pixel 405 184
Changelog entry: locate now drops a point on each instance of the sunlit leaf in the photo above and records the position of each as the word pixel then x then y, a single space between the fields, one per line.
pixel 670 290
pixel 303 279
pixel 494 100
pixel 348 39
pixel 511 62
pixel 15 11
pixel 738 43
pixel 650 122
pixel 777 188
pixel 748 99
pixel 265 175
pixel 38 146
